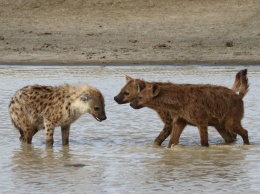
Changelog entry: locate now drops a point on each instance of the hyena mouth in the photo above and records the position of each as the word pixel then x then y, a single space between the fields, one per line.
pixel 98 119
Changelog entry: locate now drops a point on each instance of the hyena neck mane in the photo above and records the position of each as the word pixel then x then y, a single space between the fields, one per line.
pixel 168 98
pixel 72 98
pixel 74 92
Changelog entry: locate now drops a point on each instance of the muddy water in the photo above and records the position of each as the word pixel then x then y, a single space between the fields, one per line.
pixel 116 156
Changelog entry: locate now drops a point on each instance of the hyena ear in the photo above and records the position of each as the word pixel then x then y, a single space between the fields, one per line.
pixel 128 78
pixel 84 97
pixel 155 90
pixel 140 85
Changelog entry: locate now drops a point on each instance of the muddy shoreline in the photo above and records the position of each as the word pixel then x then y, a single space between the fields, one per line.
pixel 114 32
pixel 131 63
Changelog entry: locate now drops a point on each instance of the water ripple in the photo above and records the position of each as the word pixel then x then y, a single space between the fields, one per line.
pixel 117 156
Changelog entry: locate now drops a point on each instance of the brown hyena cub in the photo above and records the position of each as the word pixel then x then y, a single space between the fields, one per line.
pixel 45 107
pixel 198 105
pixel 134 86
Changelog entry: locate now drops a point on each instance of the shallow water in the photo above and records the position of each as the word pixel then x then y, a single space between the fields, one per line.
pixel 116 155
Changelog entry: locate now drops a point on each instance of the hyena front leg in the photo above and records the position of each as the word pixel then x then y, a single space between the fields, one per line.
pixel 166 131
pixel 177 127
pixel 49 130
pixel 204 138
pixel 65 132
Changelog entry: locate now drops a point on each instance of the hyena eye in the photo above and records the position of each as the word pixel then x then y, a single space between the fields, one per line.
pixel 96 109
pixel 126 93
pixel 140 97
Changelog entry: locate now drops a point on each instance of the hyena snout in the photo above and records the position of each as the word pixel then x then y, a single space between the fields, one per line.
pixel 99 115
pixel 134 104
pixel 119 99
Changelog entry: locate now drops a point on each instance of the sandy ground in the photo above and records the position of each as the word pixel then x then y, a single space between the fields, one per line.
pixel 130 32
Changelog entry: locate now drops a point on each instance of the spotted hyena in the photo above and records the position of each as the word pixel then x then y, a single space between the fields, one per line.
pixel 133 87
pixel 199 105
pixel 38 107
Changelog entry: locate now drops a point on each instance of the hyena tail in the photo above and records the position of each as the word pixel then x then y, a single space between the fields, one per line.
pixel 241 84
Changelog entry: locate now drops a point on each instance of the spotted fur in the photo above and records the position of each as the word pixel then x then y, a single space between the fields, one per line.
pixel 37 107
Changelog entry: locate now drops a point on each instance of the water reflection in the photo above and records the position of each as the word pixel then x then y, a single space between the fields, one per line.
pixel 29 158
pixel 49 169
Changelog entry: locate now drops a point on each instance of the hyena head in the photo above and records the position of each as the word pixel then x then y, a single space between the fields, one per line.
pixel 144 98
pixel 130 91
pixel 91 102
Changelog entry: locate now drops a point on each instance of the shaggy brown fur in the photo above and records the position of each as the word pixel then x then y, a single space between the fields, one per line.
pixel 199 105
pixel 36 107
pixel 133 87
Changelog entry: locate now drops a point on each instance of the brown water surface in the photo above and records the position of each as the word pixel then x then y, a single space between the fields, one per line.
pixel 117 156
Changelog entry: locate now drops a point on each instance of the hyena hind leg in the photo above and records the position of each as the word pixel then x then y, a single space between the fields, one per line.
pixel 228 136
pixel 237 128
pixel 26 132
pixel 26 135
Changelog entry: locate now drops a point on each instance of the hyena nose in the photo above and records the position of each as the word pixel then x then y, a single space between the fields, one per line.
pixel 104 118
pixel 116 98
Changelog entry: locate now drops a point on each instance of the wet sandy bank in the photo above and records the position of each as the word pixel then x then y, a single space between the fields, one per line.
pixel 114 32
